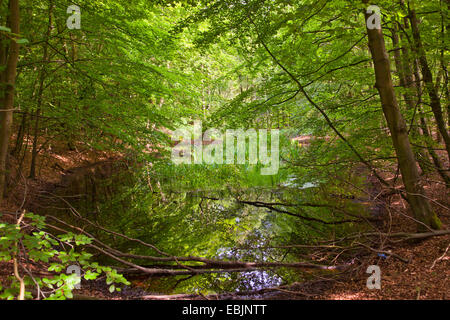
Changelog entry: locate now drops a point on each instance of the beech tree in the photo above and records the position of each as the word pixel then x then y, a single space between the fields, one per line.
pixel 9 55
pixel 397 127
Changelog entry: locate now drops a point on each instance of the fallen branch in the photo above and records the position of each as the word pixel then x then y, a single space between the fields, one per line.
pixel 405 235
pixel 210 265
pixel 440 258
pixel 384 252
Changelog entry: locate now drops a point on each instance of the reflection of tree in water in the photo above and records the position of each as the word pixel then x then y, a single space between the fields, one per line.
pixel 258 279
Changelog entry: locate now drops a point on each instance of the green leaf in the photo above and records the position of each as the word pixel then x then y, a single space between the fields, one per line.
pixel 22 41
pixel 89 275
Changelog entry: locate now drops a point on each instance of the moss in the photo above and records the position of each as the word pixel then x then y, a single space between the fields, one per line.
pixel 435 222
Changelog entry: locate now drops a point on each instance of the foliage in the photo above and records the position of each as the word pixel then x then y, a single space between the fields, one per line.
pixel 37 246
pixel 137 70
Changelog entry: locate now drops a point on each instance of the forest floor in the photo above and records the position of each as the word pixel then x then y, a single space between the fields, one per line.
pixel 426 276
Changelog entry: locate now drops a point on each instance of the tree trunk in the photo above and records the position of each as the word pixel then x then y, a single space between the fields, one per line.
pixel 397 127
pixel 8 80
pixel 428 80
pixel 400 66
pixel 42 75
pixel 443 60
pixel 406 76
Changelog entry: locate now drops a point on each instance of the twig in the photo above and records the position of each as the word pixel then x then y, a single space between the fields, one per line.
pixel 440 258
pixel 16 264
pixel 384 252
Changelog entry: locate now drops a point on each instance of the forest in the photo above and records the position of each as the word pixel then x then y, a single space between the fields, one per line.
pixel 224 150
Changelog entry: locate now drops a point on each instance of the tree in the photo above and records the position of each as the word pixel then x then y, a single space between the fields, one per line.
pixel 9 55
pixel 435 102
pixel 397 127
